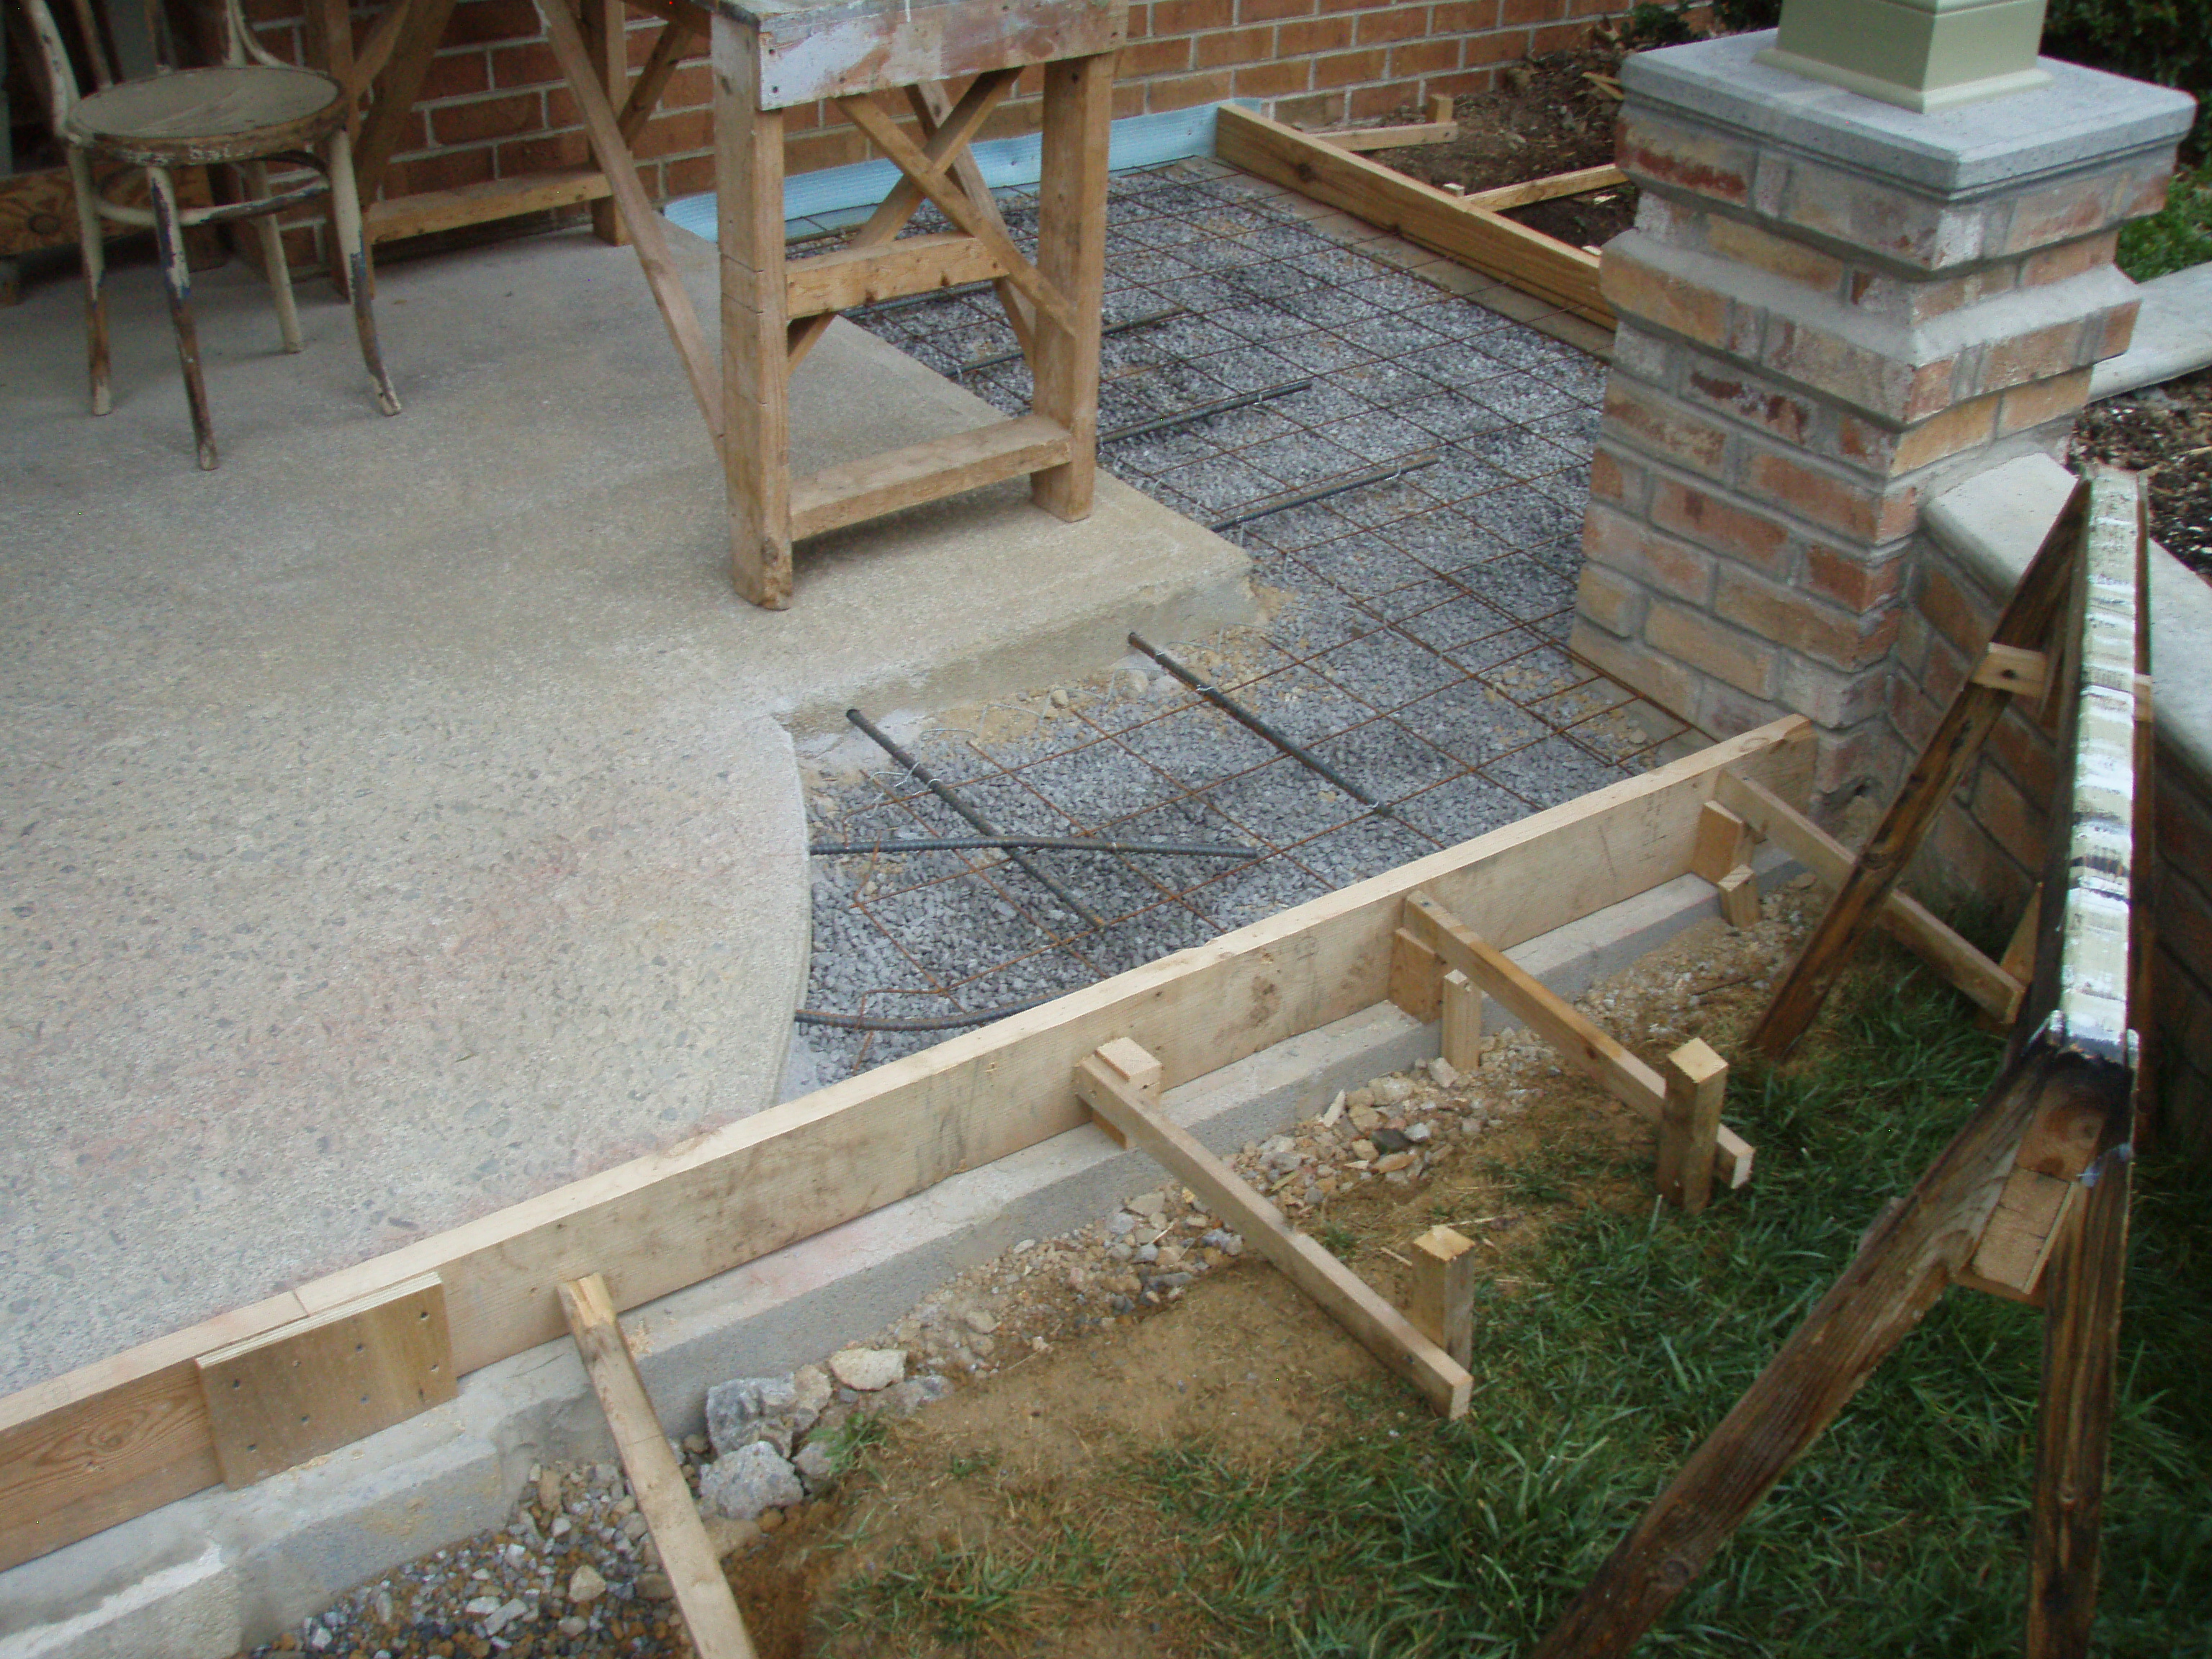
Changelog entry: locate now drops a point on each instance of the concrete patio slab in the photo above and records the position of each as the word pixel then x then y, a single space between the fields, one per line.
pixel 402 819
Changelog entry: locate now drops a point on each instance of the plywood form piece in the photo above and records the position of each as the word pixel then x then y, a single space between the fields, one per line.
pixel 1342 1294
pixel 1529 260
pixel 278 1399
pixel 656 1479
pixel 109 1441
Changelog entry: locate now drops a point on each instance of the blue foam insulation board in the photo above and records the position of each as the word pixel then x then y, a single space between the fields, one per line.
pixel 837 196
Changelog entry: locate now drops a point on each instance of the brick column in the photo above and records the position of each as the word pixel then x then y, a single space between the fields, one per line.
pixel 1831 308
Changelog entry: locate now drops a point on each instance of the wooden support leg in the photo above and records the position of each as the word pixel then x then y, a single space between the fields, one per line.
pixel 756 374
pixel 353 252
pixel 1078 108
pixel 656 1481
pixel 1690 1124
pixel 95 252
pixel 274 267
pixel 1103 1083
pixel 1900 1271
pixel 1462 1022
pixel 177 278
pixel 1443 1305
pixel 603 31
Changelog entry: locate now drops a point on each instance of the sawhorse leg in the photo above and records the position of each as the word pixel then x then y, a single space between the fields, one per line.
pixel 1078 111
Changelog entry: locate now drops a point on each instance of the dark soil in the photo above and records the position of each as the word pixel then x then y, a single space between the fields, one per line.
pixel 1547 116
pixel 2167 432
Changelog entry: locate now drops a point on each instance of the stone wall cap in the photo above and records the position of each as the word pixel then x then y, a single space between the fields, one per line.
pixel 2083 117
pixel 1994 521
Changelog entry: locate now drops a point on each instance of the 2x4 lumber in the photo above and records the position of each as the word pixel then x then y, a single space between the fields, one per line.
pixel 278 1399
pixel 1577 183
pixel 606 26
pixel 2054 1153
pixel 1901 915
pixel 1739 897
pixel 2027 620
pixel 1461 1037
pixel 480 204
pixel 927 472
pixel 1690 1124
pixel 860 275
pixel 677 40
pixel 1078 114
pixel 2014 669
pixel 1342 1294
pixel 1479 239
pixel 1416 977
pixel 643 223
pixel 1578 1041
pixel 656 1479
pixel 1363 139
pixel 738 84
pixel 109 1441
pixel 756 360
pixel 1442 1305
pixel 1723 843
pixel 398 85
pixel 1904 1264
pixel 951 200
pixel 932 104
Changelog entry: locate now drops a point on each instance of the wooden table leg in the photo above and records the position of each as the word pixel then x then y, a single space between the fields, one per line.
pixel 1078 108
pixel 756 374
pixel 604 27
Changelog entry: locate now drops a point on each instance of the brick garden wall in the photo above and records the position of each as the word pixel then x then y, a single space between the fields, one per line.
pixel 493 104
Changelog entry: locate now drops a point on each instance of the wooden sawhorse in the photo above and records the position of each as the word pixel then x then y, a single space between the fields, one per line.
pixel 770 55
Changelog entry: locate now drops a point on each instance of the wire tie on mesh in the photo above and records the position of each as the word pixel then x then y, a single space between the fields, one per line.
pixel 982 825
pixel 1237 712
pixel 1321 492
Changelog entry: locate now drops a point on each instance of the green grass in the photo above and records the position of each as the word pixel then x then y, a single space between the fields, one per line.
pixel 2176 237
pixel 1902 1531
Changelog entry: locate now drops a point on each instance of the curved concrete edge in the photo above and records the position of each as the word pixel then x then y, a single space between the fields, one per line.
pixel 2173 335
pixel 1994 522
pixel 220 1570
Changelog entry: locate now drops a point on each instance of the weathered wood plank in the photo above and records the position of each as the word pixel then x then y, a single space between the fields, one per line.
pixel 1342 1294
pixel 1078 112
pixel 927 472
pixel 87 1449
pixel 1567 277
pixel 656 1481
pixel 860 275
pixel 435 211
pixel 308 1388
pixel 808 52
pixel 1578 183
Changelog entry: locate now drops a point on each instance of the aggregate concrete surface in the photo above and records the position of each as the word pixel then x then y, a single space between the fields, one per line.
pixel 395 822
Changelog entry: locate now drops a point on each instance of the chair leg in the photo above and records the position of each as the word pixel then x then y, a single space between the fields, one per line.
pixel 95 278
pixel 256 175
pixel 176 277
pixel 345 219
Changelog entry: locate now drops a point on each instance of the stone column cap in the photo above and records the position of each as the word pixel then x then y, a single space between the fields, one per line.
pixel 2083 117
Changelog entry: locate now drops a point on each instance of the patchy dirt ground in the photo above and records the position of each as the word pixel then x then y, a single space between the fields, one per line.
pixel 2166 431
pixel 1551 114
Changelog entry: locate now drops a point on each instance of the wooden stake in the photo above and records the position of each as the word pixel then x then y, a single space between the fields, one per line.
pixel 1443 1305
pixel 1690 1123
pixel 1416 977
pixel 1739 897
pixel 656 1481
pixel 2028 620
pixel 1723 843
pixel 1379 1328
pixel 1463 1023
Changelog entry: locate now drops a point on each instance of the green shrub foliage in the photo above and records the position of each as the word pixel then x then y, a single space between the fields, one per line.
pixel 2168 41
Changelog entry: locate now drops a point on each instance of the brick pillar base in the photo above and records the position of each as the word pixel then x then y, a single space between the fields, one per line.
pixel 1830 308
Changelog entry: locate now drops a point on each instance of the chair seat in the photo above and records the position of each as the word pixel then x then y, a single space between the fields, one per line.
pixel 224 114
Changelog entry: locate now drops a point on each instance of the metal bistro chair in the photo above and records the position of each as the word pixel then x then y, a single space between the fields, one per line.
pixel 243 114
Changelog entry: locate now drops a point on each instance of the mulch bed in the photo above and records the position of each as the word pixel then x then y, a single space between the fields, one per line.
pixel 2167 432
pixel 1547 116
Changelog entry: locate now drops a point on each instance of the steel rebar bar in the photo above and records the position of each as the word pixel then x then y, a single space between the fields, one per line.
pixel 1321 492
pixel 933 1022
pixel 1244 717
pixel 982 825
pixel 1049 843
pixel 1144 321
pixel 1219 406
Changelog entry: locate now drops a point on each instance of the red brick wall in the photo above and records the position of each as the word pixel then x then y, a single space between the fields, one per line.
pixel 493 105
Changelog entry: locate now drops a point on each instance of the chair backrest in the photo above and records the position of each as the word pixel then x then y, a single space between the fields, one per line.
pixel 135 37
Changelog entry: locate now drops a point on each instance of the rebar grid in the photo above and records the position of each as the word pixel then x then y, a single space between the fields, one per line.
pixel 1418 648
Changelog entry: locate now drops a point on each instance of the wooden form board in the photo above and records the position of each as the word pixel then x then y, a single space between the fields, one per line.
pixel 85 1450
pixel 310 1387
pixel 1120 1088
pixel 1460 227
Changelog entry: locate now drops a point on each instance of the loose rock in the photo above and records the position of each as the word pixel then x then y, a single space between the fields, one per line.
pixel 748 1483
